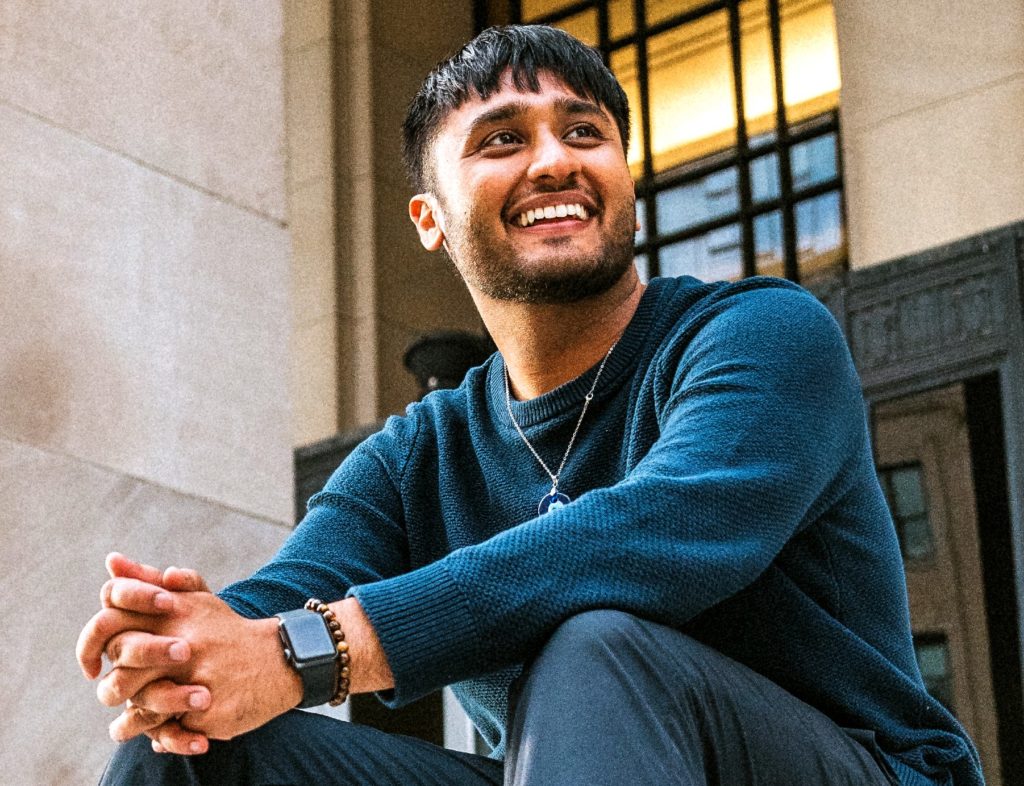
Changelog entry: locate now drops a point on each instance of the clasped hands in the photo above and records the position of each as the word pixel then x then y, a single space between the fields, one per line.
pixel 188 666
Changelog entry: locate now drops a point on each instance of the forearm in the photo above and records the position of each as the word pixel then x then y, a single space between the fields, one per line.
pixel 369 666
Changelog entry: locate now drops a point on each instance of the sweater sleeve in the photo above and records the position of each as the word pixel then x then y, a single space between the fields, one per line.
pixel 353 533
pixel 760 424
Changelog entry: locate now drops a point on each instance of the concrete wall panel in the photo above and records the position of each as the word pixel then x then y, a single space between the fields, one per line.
pixel 899 57
pixel 935 175
pixel 192 89
pixel 145 323
pixel 59 517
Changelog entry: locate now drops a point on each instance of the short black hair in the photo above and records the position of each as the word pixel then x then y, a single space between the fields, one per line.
pixel 477 68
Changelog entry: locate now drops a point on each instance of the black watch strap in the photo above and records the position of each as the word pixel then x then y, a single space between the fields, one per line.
pixel 310 649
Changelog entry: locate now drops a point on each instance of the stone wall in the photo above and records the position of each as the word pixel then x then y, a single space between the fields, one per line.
pixel 932 109
pixel 145 313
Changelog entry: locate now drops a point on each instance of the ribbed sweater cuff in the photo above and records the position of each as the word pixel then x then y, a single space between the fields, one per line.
pixel 425 627
pixel 907 776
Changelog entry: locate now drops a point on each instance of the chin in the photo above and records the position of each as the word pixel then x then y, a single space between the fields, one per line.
pixel 552 287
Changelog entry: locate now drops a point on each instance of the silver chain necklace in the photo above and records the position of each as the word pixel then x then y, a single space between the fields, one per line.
pixel 555 499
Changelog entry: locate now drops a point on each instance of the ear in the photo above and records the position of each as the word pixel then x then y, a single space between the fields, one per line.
pixel 424 213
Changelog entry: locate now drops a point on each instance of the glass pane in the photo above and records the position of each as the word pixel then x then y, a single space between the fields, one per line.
pixel 821 245
pixel 689 205
pixel 916 538
pixel 693 103
pixel 764 178
pixel 621 18
pixel 768 254
pixel 583 26
pixel 714 256
pixel 933 661
pixel 758 73
pixel 641 217
pixel 907 494
pixel 643 267
pixel 810 58
pixel 623 65
pixel 813 161
pixel 535 8
pixel 660 10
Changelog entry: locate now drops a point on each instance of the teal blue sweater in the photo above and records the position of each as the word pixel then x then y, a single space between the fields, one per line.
pixel 723 483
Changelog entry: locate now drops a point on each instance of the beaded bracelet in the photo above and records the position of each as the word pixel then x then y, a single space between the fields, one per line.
pixel 341 680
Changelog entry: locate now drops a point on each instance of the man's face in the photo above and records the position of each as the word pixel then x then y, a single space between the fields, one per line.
pixel 535 199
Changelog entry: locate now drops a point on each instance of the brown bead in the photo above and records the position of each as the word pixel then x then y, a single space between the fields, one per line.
pixel 345 673
pixel 342 646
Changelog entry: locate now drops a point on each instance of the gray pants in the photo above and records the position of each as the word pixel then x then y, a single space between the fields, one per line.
pixel 610 699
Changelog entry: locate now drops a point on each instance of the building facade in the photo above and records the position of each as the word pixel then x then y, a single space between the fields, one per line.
pixel 206 272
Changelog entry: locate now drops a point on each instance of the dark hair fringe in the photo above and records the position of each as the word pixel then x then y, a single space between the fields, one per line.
pixel 525 50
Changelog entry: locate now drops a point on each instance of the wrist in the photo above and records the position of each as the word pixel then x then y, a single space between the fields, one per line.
pixel 286 682
pixel 369 666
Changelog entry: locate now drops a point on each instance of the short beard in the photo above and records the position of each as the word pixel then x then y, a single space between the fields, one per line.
pixel 496 273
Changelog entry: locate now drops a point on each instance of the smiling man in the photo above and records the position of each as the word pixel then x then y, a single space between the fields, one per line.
pixel 644 542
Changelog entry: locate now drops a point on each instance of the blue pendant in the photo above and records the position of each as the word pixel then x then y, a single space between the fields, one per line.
pixel 552 501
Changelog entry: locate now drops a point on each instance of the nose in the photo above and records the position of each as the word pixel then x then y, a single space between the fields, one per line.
pixel 553 160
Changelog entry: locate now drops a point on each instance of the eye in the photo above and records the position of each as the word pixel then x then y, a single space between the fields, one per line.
pixel 584 131
pixel 501 139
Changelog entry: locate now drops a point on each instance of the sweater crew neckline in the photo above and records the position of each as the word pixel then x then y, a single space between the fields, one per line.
pixel 569 396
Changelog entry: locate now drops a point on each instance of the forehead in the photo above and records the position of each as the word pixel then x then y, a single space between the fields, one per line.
pixel 508 100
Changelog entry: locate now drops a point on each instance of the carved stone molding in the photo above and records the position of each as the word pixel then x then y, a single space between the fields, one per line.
pixel 944 310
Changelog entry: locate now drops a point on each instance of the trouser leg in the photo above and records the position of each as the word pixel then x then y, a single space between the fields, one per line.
pixel 612 699
pixel 300 748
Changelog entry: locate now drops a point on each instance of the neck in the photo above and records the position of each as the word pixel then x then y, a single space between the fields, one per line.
pixel 547 345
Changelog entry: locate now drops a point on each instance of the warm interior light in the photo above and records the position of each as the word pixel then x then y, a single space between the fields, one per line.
pixel 693 106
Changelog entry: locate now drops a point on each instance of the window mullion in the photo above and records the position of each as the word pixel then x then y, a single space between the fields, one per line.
pixel 782 146
pixel 742 144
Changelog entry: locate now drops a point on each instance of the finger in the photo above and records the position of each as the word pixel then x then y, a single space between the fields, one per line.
pixel 184 580
pixel 170 737
pixel 135 720
pixel 118 565
pixel 136 595
pixel 137 649
pixel 103 626
pixel 119 685
pixel 167 697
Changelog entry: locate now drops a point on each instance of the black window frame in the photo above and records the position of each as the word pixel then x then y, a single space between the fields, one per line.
pixel 785 136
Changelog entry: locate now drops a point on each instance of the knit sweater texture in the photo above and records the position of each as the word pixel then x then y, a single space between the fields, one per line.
pixel 722 483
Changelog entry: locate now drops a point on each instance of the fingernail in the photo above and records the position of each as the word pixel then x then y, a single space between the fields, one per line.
pixel 197 700
pixel 178 651
pixel 157 747
pixel 162 601
pixel 194 747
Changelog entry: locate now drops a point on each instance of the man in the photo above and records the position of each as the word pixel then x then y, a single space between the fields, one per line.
pixel 644 542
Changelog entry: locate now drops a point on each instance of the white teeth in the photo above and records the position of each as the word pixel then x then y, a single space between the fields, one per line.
pixel 527 217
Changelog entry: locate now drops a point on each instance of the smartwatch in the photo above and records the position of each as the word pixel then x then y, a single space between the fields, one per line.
pixel 310 649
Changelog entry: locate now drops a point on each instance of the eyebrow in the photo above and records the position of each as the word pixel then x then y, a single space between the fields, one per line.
pixel 512 109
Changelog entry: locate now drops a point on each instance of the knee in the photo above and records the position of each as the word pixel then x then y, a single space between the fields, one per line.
pixel 136 762
pixel 608 640
pixel 592 632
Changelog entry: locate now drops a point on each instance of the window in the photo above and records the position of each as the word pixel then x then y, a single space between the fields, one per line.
pixel 734 128
pixel 904 491
pixel 932 652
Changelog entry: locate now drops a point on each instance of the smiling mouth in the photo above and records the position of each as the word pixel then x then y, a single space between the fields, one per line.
pixel 551 213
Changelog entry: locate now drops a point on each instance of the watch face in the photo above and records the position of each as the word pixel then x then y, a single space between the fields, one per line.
pixel 308 638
